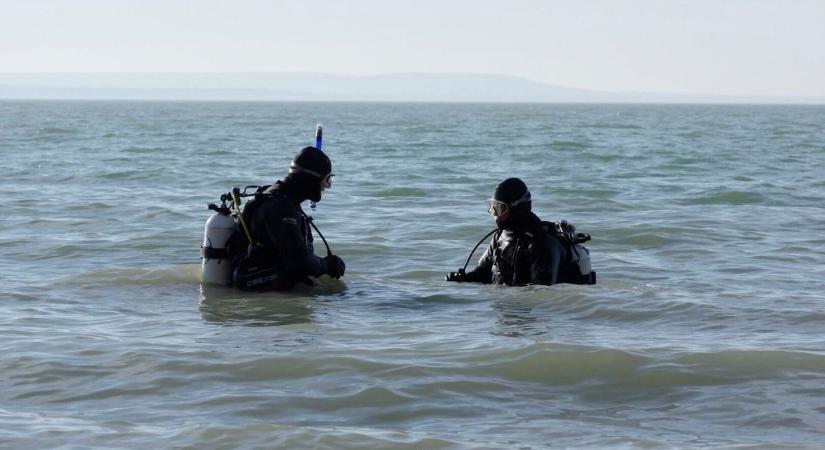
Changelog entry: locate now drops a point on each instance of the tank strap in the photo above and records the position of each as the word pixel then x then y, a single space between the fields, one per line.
pixel 237 206
pixel 214 253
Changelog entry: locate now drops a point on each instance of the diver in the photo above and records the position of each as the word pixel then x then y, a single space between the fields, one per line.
pixel 280 251
pixel 524 249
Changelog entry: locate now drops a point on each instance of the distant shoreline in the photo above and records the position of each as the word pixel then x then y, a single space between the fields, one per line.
pixel 401 102
pixel 316 87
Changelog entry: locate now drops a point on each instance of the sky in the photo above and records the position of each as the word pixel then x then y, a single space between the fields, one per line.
pixel 717 47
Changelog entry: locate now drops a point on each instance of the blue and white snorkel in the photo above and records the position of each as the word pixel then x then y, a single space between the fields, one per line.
pixel 319 142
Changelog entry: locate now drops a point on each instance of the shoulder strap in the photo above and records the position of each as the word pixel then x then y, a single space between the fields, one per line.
pixel 249 208
pixel 566 232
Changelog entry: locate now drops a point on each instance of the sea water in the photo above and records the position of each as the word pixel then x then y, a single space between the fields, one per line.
pixel 705 329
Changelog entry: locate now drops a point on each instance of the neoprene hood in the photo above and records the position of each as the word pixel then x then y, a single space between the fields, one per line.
pixel 512 190
pixel 308 169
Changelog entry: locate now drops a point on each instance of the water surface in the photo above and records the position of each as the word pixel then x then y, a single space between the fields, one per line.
pixel 705 330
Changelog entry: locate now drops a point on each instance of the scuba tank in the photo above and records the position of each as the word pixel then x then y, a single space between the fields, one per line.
pixel 219 229
pixel 226 235
pixel 577 270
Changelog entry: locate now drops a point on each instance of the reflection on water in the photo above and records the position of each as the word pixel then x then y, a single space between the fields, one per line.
pixel 229 306
pixel 515 317
pixel 232 307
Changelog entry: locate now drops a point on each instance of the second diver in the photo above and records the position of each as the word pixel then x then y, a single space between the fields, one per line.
pixel 526 250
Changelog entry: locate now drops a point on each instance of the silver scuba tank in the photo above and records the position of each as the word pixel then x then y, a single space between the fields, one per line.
pixel 216 267
pixel 581 258
pixel 579 254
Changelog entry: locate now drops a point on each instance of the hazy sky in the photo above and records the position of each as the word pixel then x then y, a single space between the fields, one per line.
pixel 741 47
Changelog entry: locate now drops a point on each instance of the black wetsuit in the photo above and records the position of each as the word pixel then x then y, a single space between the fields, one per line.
pixel 521 253
pixel 282 251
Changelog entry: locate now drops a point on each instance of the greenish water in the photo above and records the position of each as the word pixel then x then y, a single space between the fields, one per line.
pixel 705 330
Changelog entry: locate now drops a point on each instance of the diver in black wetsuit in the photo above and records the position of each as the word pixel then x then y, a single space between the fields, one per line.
pixel 281 252
pixel 525 250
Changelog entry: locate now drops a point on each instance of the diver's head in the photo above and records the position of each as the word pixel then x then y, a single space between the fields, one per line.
pixel 510 203
pixel 311 173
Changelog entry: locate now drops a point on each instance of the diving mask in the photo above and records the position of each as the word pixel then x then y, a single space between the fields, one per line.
pixel 500 209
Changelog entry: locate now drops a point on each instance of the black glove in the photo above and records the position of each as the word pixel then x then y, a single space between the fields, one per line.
pixel 457 276
pixel 335 266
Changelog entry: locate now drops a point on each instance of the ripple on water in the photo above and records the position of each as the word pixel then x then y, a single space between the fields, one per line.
pixel 727 197
pixel 706 235
pixel 402 192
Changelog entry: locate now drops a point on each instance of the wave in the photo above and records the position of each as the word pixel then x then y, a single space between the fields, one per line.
pixel 262 435
pixel 180 274
pixel 35 430
pixel 558 364
pixel 650 236
pixel 569 145
pixel 729 198
pixel 56 131
pixel 402 192
pixel 537 362
pixel 141 150
pixel 613 126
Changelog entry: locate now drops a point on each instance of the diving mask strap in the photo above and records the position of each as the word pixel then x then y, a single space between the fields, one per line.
pixel 524 198
pixel 295 168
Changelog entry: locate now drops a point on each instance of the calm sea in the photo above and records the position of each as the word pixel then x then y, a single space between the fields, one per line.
pixel 705 330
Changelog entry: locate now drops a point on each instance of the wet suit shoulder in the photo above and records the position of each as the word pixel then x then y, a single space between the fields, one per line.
pixel 282 229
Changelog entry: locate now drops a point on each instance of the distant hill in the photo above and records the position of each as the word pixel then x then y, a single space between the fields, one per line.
pixel 293 86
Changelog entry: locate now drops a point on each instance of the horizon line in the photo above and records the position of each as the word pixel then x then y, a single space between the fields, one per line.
pixel 596 91
pixel 413 102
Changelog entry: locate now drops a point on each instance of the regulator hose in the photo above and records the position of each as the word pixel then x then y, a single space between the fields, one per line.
pixel 312 223
pixel 474 248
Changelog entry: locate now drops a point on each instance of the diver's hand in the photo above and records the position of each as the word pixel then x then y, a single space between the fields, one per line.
pixel 457 276
pixel 335 266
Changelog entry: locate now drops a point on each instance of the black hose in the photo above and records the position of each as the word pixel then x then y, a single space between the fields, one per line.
pixel 309 219
pixel 474 248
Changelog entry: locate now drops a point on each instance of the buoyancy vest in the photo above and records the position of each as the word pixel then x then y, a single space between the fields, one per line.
pixel 286 212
